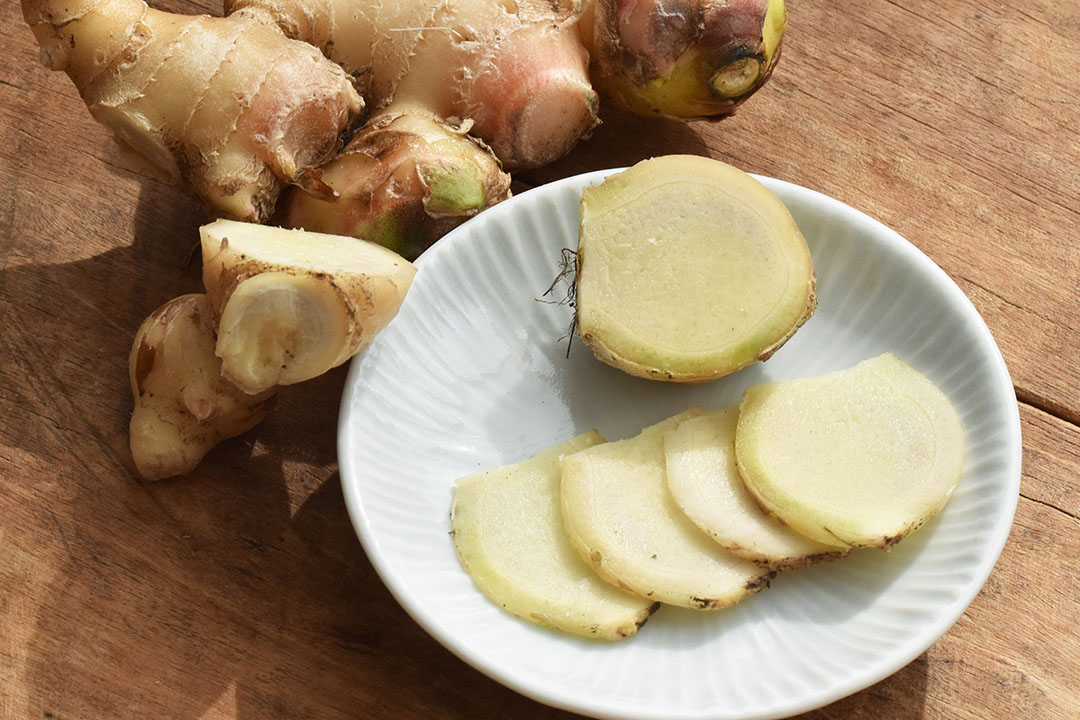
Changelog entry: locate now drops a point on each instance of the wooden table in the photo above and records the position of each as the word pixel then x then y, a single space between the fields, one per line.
pixel 241 592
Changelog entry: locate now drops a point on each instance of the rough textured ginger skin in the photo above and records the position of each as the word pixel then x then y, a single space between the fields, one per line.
pixel 229 105
pixel 185 400
pixel 517 70
pixel 183 406
pixel 239 107
pixel 518 75
pixel 405 180
pixel 683 58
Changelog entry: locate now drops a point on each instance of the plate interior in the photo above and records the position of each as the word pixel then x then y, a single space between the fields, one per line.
pixel 475 372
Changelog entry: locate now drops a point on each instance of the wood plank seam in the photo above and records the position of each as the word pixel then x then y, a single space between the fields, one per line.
pixel 1046 504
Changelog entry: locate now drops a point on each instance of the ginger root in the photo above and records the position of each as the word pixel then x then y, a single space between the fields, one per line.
pixel 518 70
pixel 684 58
pixel 241 106
pixel 281 306
pixel 228 105
pixel 405 178
pixel 183 406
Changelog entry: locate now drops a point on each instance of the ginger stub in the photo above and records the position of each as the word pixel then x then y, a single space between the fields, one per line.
pixel 293 304
pixel 183 405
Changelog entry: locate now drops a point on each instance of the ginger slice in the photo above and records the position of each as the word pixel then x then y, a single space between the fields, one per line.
pixel 862 456
pixel 293 304
pixel 508 530
pixel 688 270
pixel 704 481
pixel 621 518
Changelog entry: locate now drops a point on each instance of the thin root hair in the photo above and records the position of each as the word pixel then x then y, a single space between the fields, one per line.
pixel 567 268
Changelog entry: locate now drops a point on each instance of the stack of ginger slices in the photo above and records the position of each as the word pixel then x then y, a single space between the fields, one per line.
pixel 701 510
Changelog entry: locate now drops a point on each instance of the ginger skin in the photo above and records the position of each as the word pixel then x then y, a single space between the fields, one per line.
pixel 291 304
pixel 281 306
pixel 517 70
pixel 183 406
pixel 684 58
pixel 230 106
pixel 405 178
pixel 240 107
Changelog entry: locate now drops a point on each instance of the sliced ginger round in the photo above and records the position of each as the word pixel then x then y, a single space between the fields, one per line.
pixel 688 270
pixel 509 535
pixel 620 517
pixel 704 481
pixel 859 457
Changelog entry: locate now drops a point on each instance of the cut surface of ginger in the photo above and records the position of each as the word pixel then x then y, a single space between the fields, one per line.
pixel 704 482
pixel 861 456
pixel 293 304
pixel 621 518
pixel 508 530
pixel 688 269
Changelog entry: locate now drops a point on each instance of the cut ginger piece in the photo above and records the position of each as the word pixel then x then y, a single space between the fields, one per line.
pixel 509 534
pixel 704 481
pixel 294 304
pixel 621 518
pixel 862 456
pixel 688 269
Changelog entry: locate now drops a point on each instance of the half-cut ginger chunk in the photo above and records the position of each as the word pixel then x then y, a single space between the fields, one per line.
pixel 688 269
pixel 294 304
pixel 862 456
pixel 508 530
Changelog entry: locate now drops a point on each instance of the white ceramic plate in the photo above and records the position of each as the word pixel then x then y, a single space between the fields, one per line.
pixel 473 373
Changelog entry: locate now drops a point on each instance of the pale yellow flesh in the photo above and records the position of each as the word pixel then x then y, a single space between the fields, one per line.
pixel 705 484
pixel 279 329
pixel 688 269
pixel 861 456
pixel 621 518
pixel 508 530
pixel 294 304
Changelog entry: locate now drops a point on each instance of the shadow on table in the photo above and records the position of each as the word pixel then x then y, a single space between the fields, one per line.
pixel 902 696
pixel 215 602
pixel 240 591
pixel 621 140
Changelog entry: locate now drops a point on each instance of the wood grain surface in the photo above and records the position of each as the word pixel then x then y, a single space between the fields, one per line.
pixel 241 593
